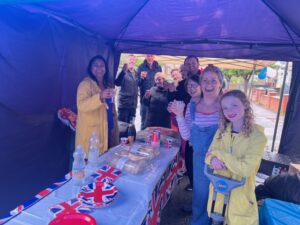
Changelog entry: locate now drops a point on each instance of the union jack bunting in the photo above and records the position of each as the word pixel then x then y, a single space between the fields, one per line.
pixel 68 207
pixel 107 174
pixel 32 201
pixel 62 180
pixel 35 199
pixel 5 218
pixel 44 193
pixel 98 194
pixel 17 210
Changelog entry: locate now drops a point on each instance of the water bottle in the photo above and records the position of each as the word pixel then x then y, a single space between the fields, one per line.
pixel 131 132
pixel 93 153
pixel 78 173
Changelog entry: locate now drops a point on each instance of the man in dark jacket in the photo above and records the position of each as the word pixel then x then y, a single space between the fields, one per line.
pixel 190 68
pixel 128 81
pixel 146 72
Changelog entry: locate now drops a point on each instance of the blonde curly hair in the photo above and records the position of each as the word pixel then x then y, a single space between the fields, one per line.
pixel 248 117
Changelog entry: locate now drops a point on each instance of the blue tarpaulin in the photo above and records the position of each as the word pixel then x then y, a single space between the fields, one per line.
pixel 276 212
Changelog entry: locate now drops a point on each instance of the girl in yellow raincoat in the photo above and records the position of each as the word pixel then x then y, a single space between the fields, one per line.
pixel 236 152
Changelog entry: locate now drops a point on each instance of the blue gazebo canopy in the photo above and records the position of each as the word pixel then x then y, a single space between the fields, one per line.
pixel 45 46
pixel 249 29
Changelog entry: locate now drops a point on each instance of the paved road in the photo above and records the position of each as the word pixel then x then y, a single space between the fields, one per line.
pixel 267 119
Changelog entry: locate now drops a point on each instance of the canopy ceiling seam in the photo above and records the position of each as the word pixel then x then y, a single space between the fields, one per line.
pixel 280 17
pixel 285 24
pixel 207 41
pixel 62 19
pixel 252 56
pixel 237 61
pixel 180 49
pixel 123 30
pixel 290 36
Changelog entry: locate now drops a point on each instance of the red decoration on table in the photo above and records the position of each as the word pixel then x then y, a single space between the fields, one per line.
pixel 69 207
pixel 75 218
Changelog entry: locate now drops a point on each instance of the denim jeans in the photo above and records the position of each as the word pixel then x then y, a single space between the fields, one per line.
pixel 201 138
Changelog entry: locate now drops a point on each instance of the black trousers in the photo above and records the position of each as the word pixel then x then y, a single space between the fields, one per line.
pixel 126 114
pixel 189 161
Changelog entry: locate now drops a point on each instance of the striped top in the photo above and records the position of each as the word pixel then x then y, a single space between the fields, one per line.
pixel 201 120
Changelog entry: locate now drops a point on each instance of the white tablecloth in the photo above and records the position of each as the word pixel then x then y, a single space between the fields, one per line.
pixel 129 208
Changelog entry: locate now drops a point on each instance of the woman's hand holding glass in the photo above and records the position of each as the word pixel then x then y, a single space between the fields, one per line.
pixel 144 74
pixel 148 94
pixel 107 93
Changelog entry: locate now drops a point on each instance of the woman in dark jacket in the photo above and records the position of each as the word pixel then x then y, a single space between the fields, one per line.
pixel 157 99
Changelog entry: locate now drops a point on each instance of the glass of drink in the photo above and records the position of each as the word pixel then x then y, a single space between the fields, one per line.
pixel 144 74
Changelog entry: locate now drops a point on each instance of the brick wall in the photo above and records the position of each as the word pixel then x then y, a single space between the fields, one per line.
pixel 269 100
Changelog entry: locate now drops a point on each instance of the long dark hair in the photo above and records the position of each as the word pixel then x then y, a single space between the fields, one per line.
pixel 105 83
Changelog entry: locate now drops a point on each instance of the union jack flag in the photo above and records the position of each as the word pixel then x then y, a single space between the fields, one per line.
pixel 169 183
pixel 107 174
pixel 71 206
pixel 154 211
pixel 98 194
pixel 161 194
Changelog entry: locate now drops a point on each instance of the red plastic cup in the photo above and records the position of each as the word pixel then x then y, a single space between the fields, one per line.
pixel 124 140
pixel 74 218
pixel 155 136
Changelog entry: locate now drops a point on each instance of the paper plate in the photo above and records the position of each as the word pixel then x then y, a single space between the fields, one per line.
pixel 98 194
pixel 70 206
pixel 71 219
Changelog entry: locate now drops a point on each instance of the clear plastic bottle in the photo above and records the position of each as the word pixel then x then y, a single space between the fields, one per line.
pixel 78 172
pixel 93 153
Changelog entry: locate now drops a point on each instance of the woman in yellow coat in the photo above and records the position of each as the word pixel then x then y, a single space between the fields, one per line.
pixel 236 152
pixel 96 111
